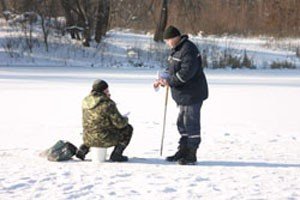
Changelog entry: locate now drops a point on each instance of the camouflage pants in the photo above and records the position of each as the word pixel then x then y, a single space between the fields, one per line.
pixel 125 135
pixel 113 137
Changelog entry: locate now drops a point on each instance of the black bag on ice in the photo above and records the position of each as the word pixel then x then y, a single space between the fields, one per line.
pixel 61 151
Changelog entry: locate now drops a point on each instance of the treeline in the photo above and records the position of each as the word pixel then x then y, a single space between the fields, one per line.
pixel 278 18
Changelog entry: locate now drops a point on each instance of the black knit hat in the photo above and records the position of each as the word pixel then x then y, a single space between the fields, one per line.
pixel 99 85
pixel 171 32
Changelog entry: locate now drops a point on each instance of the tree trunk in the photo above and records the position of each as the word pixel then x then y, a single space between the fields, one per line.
pixel 3 5
pixel 161 25
pixel 69 17
pixel 106 17
pixel 4 8
pixel 102 19
pixel 45 31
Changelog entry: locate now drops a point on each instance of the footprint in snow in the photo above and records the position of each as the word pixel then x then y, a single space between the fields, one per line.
pixel 25 178
pixel 273 140
pixel 88 187
pixel 69 187
pixel 112 193
pixel 18 186
pixel 123 175
pixel 169 189
pixel 254 177
pixel 200 179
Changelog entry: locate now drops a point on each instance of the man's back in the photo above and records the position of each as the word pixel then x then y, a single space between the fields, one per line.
pixel 101 119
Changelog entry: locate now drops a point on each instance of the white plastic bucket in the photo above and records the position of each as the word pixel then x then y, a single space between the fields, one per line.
pixel 98 154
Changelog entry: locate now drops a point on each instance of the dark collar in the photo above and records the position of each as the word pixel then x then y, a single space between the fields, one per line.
pixel 181 41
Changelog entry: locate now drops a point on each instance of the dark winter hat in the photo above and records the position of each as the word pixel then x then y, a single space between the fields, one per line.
pixel 99 85
pixel 171 32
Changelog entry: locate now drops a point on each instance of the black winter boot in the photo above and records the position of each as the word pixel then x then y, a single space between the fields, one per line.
pixel 82 151
pixel 178 155
pixel 190 157
pixel 117 156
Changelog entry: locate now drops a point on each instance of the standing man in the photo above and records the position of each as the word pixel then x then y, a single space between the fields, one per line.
pixel 103 125
pixel 189 89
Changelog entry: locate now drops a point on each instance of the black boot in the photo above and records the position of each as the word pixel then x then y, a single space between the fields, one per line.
pixel 190 157
pixel 117 156
pixel 82 151
pixel 178 155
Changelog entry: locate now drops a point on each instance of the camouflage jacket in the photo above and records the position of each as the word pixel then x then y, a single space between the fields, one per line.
pixel 101 121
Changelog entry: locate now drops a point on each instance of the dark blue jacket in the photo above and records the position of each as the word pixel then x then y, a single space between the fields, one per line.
pixel 186 77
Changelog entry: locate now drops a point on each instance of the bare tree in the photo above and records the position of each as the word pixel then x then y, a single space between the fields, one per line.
pixel 27 28
pixel 79 9
pixel 90 18
pixel 83 14
pixel 161 25
pixel 3 5
pixel 70 19
pixel 134 14
pixel 44 10
pixel 102 19
pixel 4 8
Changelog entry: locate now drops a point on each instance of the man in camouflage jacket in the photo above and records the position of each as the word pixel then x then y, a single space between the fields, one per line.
pixel 103 125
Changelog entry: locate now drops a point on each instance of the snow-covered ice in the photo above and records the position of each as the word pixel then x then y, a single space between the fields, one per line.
pixel 250 133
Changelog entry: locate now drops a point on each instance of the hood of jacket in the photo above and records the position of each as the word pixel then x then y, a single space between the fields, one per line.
pixel 92 101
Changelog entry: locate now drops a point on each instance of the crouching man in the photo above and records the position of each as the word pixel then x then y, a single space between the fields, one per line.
pixel 103 125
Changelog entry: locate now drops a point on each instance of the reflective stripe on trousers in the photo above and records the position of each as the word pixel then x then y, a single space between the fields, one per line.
pixel 188 124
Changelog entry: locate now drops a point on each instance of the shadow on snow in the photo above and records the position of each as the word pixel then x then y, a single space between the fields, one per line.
pixel 158 161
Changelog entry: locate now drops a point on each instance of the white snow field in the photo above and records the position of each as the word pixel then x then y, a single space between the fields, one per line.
pixel 250 136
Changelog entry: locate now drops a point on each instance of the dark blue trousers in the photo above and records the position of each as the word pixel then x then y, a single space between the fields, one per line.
pixel 188 124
